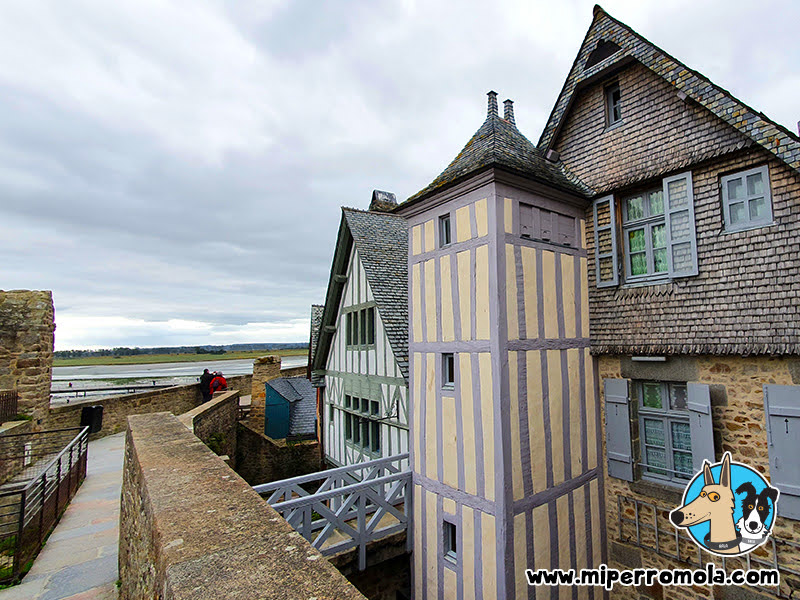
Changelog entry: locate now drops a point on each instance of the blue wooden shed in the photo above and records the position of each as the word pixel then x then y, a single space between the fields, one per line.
pixel 290 408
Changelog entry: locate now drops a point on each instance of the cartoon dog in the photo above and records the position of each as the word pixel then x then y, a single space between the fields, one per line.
pixel 755 512
pixel 714 504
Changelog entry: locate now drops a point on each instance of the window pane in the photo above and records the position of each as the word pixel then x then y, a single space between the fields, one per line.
pixel 660 261
pixel 657 203
pixel 677 396
pixel 683 464
pixel 681 436
pixel 758 209
pixel 370 325
pixel 651 395
pixel 363 326
pixel 349 328
pixel 735 189
pixel 635 208
pixel 737 213
pixel 656 458
pixel 755 185
pixel 364 405
pixel 365 433
pixel 375 441
pixel 348 426
pixel 639 264
pixel 356 429
pixel 348 401
pixel 375 408
pixel 659 235
pixel 636 240
pixel 654 432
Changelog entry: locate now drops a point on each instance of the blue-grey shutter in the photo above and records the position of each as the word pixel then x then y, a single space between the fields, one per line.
pixel 618 429
pixel 701 425
pixel 679 217
pixel 782 407
pixel 605 242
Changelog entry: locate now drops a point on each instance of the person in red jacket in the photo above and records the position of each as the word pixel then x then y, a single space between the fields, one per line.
pixel 218 384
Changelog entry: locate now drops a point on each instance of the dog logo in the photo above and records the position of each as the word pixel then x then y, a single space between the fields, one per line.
pixel 728 508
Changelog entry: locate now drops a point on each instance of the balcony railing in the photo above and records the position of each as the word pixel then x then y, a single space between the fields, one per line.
pixel 347 507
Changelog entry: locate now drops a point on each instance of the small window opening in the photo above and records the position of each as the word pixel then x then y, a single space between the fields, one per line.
pixel 444 230
pixel 613 104
pixel 448 371
pixel 450 541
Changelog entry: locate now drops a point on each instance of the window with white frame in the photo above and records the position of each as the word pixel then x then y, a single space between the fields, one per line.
pixel 450 542
pixel 448 371
pixel 664 430
pixel 746 199
pixel 362 424
pixel 644 234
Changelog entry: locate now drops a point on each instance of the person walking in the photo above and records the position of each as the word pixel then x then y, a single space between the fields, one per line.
pixel 205 385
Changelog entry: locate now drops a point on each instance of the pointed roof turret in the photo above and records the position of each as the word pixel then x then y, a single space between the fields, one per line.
pixel 498 143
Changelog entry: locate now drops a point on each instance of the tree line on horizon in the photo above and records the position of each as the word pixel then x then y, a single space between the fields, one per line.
pixel 206 349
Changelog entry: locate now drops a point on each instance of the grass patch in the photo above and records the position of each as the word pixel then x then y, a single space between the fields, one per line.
pixel 144 359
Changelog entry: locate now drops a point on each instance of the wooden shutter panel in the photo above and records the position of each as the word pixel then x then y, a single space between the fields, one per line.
pixel 701 425
pixel 679 217
pixel 605 242
pixel 618 429
pixel 782 407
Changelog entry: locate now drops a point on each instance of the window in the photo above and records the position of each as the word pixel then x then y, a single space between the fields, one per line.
pixel 448 371
pixel 444 231
pixel 644 234
pixel 658 234
pixel 360 325
pixel 613 105
pixel 664 432
pixel 746 200
pixel 450 540
pixel 362 423
pixel 330 414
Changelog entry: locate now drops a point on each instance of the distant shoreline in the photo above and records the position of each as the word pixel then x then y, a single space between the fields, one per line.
pixel 143 359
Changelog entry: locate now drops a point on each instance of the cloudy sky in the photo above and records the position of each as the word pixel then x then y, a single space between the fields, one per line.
pixel 173 169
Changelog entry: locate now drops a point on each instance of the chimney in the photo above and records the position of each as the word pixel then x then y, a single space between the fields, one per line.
pixel 552 156
pixel 508 111
pixel 382 201
pixel 492 109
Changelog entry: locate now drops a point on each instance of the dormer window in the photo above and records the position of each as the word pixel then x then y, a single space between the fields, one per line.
pixel 613 105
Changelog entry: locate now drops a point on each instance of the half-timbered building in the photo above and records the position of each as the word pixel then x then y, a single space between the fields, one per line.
pixel 360 360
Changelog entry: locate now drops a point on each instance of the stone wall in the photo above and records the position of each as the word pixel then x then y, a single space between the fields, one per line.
pixel 215 423
pixel 116 409
pixel 26 349
pixel 12 447
pixel 737 404
pixel 206 534
pixel 265 368
pixel 260 459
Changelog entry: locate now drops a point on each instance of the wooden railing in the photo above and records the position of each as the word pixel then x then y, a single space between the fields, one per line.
pixel 347 507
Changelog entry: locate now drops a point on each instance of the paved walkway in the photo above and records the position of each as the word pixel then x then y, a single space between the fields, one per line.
pixel 79 560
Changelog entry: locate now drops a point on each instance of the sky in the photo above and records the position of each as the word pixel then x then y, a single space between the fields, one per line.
pixel 173 169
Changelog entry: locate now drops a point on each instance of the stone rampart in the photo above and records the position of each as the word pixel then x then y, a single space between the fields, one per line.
pixel 260 459
pixel 190 528
pixel 116 409
pixel 215 423
pixel 26 349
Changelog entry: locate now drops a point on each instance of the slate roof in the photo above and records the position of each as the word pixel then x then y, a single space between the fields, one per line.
pixel 775 138
pixel 498 143
pixel 316 322
pixel 382 243
pixel 302 399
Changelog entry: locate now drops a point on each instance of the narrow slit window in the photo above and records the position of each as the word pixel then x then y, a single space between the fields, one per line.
pixel 448 371
pixel 613 104
pixel 349 328
pixel 450 541
pixel 371 325
pixel 445 236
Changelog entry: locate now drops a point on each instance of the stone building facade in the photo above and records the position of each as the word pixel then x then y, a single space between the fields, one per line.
pixel 26 349
pixel 694 280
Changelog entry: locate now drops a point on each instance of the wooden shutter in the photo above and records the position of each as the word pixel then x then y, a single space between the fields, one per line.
pixel 619 453
pixel 605 242
pixel 701 425
pixel 679 217
pixel 782 407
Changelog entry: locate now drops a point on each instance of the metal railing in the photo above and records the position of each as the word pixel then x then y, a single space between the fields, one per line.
pixel 8 404
pixel 32 501
pixel 346 507
pixel 646 526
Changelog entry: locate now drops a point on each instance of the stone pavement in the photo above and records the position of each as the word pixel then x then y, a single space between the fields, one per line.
pixel 79 560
